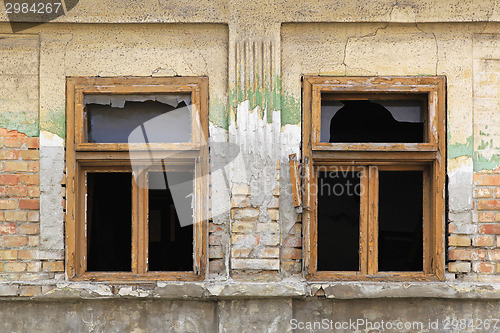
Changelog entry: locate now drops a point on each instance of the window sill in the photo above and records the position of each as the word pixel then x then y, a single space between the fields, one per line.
pixel 51 289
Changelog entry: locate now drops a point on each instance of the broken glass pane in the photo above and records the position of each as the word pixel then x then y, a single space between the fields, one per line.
pixel 363 121
pixel 160 118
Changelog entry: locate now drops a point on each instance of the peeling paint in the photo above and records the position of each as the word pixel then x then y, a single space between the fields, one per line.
pixel 22 121
pixel 54 121
pixel 460 149
pixel 219 113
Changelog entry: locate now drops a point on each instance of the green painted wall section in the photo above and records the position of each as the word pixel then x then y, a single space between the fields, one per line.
pixel 482 163
pixel 53 120
pixel 479 160
pixel 218 113
pixel 22 121
pixel 263 97
pixel 291 111
pixel 461 149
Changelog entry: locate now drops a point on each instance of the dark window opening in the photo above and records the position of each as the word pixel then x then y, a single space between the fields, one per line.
pixel 338 220
pixel 170 241
pixel 400 243
pixel 381 121
pixel 109 221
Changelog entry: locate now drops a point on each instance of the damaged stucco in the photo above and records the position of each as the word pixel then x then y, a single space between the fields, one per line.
pixel 254 54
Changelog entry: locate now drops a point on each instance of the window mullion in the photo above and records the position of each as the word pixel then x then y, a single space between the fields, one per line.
pixel 139 215
pixel 373 188
pixel 363 220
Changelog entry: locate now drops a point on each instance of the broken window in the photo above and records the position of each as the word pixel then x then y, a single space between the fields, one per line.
pixel 374 178
pixel 136 209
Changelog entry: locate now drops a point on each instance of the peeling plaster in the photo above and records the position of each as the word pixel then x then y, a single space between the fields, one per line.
pixel 51 214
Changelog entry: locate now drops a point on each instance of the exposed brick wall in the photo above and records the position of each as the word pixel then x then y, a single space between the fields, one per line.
pixel 20 256
pixel 474 250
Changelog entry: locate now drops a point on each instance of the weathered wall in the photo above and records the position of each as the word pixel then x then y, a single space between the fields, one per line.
pixel 277 315
pixel 254 53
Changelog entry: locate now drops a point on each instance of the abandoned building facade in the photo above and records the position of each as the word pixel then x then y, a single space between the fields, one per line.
pixel 229 166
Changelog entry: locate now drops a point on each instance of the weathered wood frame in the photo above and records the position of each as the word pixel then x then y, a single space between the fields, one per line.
pixel 82 157
pixel 428 157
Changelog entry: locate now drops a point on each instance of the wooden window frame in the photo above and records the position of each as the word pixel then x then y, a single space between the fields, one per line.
pixel 83 157
pixel 428 156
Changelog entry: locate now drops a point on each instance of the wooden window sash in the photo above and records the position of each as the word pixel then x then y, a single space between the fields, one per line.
pixel 122 86
pixel 428 157
pixel 117 159
pixel 368 238
pixel 363 88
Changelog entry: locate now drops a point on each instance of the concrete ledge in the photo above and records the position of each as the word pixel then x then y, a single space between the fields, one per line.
pixel 50 290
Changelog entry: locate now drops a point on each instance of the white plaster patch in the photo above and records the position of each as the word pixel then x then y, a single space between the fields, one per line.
pixel 51 174
pixel 291 136
pixel 460 173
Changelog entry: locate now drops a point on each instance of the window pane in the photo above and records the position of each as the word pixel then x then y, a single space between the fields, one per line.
pixel 109 221
pixel 400 243
pixel 138 118
pixel 170 221
pixel 360 121
pixel 338 220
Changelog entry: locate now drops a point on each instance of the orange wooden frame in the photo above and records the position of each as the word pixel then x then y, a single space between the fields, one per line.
pixel 82 157
pixel 427 156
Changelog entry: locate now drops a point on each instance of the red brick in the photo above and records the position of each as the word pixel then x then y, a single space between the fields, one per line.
pixel 215 240
pixel 292 241
pixel 455 240
pixel 29 154
pixel 483 192
pixel 29 291
pixel 14 142
pixel 14 191
pixel 488 205
pixel 467 254
pixel 486 217
pixel 14 267
pixel 483 241
pixel 8 204
pixel 27 254
pixel 33 143
pixel 33 216
pixel 487 179
pixel 212 227
pixel 53 266
pixel 34 166
pixel 291 266
pixel 9 154
pixel 29 203
pixel 16 166
pixel 7 228
pixel 8 254
pixel 490 229
pixel 217 266
pixel 484 268
pixel 494 255
pixel 291 254
pixel 33 191
pixel 14 241
pixel 33 240
pixel 15 216
pixel 497 193
pixel 9 179
pixel 29 229
pixel 29 179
